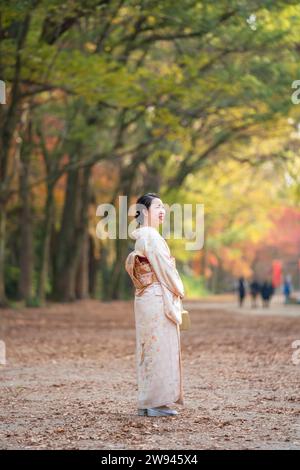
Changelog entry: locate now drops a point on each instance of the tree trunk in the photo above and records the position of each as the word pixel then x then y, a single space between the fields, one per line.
pixel 93 268
pixel 45 251
pixel 3 299
pixel 25 287
pixel 64 259
pixel 71 236
pixel 82 279
pixel 114 288
pixel 9 119
pixel 105 271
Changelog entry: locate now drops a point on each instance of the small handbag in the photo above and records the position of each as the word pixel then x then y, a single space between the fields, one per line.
pixel 186 321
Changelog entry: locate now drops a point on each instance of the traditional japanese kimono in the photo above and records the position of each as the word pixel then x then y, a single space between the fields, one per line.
pixel 157 307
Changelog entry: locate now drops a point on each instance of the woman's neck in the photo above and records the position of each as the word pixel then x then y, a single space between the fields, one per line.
pixel 149 226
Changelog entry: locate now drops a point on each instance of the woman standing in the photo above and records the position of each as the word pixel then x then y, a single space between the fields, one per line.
pixel 157 308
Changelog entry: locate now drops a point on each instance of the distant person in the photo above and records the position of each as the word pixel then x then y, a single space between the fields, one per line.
pixel 287 288
pixel 254 291
pixel 267 290
pixel 241 290
pixel 271 290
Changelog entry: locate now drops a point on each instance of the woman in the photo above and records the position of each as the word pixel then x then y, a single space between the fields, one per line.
pixel 157 308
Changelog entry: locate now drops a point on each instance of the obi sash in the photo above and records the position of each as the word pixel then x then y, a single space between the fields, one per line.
pixel 140 271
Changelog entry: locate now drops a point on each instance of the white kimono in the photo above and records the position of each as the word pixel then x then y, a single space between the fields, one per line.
pixel 157 309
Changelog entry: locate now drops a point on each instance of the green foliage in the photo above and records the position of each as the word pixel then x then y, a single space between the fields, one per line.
pixel 11 280
pixel 194 286
pixel 184 93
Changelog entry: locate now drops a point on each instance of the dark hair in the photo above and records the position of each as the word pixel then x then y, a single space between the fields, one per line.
pixel 146 200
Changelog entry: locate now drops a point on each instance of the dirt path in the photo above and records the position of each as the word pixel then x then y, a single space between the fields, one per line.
pixel 69 381
pixel 228 303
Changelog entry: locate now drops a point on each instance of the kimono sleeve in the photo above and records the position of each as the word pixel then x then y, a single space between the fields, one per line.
pixel 163 266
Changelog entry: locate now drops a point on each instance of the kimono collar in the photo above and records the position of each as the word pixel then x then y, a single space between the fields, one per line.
pixel 141 231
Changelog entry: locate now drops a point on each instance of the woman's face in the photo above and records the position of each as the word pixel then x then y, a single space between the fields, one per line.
pixel 156 213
